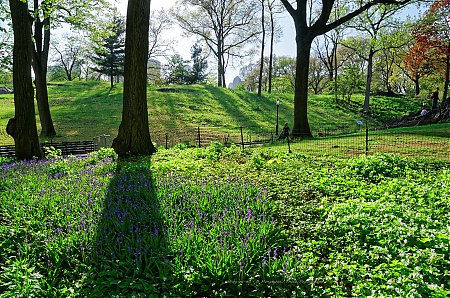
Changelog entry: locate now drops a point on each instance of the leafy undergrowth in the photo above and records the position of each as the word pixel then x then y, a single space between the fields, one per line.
pixel 225 222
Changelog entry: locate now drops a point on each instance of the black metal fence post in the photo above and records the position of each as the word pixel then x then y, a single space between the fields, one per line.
pixel 242 139
pixel 167 137
pixel 367 136
pixel 198 137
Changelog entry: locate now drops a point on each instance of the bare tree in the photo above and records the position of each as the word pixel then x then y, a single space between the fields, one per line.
pixel 317 75
pixel 226 26
pixel 263 41
pixel 69 53
pixel 275 32
pixel 160 23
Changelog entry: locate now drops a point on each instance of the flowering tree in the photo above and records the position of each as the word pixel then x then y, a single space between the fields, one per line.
pixel 432 42
pixel 416 62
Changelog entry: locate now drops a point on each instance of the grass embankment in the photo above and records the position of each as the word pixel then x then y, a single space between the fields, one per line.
pixel 82 110
pixel 222 222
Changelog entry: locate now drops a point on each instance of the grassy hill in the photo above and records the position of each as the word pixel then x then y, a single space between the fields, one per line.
pixel 82 110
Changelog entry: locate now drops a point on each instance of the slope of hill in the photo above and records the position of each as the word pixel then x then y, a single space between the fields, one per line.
pixel 82 110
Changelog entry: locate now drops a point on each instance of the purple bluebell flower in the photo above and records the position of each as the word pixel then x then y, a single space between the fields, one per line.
pixel 249 214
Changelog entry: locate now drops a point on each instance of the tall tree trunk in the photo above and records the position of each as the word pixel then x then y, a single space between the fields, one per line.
pixel 68 73
pixel 416 85
pixel 368 81
pixel 301 124
pixel 134 136
pixel 40 61
pixel 23 126
pixel 335 78
pixel 261 65
pixel 40 79
pixel 223 70
pixel 111 71
pixel 219 64
pixel 272 36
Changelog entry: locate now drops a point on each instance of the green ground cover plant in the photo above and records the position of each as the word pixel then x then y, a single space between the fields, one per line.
pixel 222 222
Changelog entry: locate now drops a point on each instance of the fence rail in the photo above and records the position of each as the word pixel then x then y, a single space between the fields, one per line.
pixel 67 148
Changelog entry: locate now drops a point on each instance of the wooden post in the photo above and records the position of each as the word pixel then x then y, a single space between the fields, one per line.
pixel 242 139
pixel 198 137
pixel 166 139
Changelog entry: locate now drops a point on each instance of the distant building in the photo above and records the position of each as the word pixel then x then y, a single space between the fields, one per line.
pixel 154 71
pixel 237 80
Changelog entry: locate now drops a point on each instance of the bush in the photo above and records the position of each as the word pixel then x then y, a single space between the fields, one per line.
pixel 375 167
pixel 5 159
pixel 103 153
pixel 50 152
pixel 215 150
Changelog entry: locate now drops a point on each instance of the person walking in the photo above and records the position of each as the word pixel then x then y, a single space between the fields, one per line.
pixel 285 132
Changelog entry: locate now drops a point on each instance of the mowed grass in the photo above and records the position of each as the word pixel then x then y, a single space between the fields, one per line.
pixel 420 141
pixel 222 222
pixel 82 110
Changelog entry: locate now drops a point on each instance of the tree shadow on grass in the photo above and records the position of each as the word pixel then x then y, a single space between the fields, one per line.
pixel 129 250
pixel 239 114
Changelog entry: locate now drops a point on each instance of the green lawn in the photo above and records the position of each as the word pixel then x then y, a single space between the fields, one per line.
pixel 82 110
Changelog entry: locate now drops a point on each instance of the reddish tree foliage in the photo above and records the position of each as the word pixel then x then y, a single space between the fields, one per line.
pixel 417 62
pixel 431 50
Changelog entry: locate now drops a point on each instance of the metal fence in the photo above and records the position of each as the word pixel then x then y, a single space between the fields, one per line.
pixel 342 140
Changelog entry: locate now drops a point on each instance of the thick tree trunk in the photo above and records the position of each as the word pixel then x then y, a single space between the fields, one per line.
pixel 301 124
pixel 40 61
pixel 134 137
pixel 368 81
pixel 23 126
pixel 261 63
